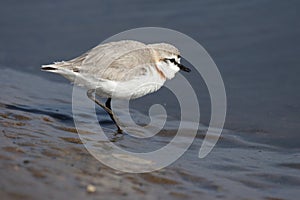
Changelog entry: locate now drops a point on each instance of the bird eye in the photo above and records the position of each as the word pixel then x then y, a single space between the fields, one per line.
pixel 172 60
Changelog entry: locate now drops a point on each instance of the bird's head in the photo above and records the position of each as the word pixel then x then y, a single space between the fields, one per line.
pixel 168 59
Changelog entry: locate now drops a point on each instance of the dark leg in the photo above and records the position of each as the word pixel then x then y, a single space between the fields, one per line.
pixel 106 107
pixel 107 103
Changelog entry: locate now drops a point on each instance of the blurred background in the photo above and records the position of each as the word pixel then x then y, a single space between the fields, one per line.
pixel 255 45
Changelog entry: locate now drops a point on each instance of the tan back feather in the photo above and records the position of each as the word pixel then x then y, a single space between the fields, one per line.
pixel 122 60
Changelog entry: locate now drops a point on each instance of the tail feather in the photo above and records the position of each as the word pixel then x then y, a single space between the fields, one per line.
pixel 71 73
pixel 51 67
pixel 48 68
pixel 60 68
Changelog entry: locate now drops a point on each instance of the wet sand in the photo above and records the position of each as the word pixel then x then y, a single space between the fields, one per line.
pixel 42 157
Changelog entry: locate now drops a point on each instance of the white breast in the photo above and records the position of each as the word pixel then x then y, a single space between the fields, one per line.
pixel 133 88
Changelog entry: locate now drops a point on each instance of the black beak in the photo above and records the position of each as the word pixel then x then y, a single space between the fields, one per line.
pixel 183 68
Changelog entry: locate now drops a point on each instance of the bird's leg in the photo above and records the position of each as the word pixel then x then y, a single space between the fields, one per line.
pixel 106 107
pixel 108 103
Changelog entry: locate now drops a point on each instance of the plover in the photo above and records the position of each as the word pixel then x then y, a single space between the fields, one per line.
pixel 124 69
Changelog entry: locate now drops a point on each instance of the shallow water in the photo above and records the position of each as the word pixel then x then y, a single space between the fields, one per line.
pixel 255 46
pixel 43 156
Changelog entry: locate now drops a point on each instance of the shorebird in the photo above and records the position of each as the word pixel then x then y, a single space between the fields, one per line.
pixel 124 69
